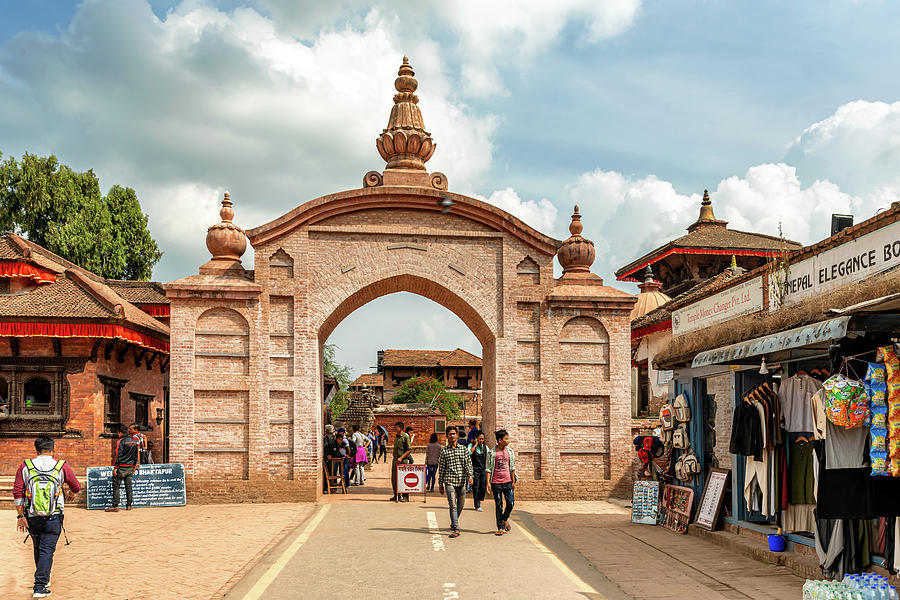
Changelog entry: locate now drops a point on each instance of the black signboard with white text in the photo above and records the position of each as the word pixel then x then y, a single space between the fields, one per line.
pixel 153 485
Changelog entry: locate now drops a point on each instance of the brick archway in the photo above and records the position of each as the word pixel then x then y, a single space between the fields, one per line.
pixel 441 295
pixel 555 389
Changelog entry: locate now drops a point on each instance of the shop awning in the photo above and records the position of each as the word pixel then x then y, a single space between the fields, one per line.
pixel 808 335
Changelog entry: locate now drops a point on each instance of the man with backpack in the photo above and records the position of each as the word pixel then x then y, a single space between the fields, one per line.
pixel 125 465
pixel 39 500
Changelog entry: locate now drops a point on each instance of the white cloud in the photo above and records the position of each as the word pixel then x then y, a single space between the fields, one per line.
pixel 489 35
pixel 857 147
pixel 204 100
pixel 627 217
pixel 540 214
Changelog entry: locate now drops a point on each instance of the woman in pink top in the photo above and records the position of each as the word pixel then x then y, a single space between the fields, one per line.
pixel 501 472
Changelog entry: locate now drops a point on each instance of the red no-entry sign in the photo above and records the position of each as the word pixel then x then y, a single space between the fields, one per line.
pixel 411 479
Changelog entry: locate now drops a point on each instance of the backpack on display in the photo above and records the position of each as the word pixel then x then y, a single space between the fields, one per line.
pixel 691 464
pixel 682 409
pixel 43 489
pixel 667 417
pixel 679 469
pixel 680 438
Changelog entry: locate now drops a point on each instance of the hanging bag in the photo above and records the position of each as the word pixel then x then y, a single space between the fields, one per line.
pixel 680 438
pixel 682 409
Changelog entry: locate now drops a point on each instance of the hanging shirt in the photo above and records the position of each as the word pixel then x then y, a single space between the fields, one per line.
pixel 794 394
pixel 845 448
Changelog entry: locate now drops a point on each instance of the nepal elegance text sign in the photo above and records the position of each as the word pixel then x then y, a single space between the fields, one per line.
pixel 733 302
pixel 153 485
pixel 853 261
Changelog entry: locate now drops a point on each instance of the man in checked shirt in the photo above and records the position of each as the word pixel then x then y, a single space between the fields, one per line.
pixel 454 472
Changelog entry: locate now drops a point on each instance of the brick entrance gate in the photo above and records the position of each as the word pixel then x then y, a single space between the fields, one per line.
pixel 246 391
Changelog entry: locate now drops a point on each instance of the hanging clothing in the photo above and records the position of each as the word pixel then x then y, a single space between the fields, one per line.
pixel 800 472
pixel 817 407
pixel 854 493
pixel 746 431
pixel 794 394
pixel 846 448
pixel 799 517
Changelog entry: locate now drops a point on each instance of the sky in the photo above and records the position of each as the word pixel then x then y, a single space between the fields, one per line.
pixel 786 111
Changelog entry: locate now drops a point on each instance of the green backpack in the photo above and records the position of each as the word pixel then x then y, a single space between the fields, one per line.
pixel 43 489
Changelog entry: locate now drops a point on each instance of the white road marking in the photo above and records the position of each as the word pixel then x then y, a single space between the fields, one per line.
pixel 583 586
pixel 437 542
pixel 450 592
pixel 269 576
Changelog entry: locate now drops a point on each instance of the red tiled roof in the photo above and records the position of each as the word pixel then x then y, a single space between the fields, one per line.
pixel 77 295
pixel 369 379
pixel 139 292
pixel 718 240
pixel 460 358
pixel 430 358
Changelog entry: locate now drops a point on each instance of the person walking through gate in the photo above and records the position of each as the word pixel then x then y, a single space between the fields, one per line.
pixel 39 501
pixel 359 458
pixel 432 453
pixel 382 445
pixel 501 472
pixel 402 450
pixel 454 471
pixel 125 465
pixel 478 450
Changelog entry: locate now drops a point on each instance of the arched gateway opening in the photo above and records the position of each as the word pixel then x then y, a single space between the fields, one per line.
pixel 556 352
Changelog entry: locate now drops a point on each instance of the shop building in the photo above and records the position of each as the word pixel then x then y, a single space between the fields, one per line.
pixel 767 339
pixel 77 359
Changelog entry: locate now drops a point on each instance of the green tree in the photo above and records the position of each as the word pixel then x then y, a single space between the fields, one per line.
pixel 430 391
pixel 64 211
pixel 342 375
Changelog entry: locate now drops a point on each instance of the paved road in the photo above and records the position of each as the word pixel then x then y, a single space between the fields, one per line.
pixel 362 542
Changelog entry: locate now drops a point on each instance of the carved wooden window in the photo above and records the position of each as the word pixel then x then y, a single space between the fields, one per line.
pixel 38 394
pixel 112 404
pixel 142 410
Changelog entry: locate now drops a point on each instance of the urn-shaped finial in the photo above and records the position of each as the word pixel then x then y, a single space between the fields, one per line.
pixel 225 240
pixel 405 144
pixel 576 255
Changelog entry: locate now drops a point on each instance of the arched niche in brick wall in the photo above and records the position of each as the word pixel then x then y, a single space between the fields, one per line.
pixel 222 343
pixel 584 350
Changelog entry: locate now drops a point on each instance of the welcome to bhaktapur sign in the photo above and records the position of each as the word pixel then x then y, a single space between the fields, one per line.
pixel 857 259
pixel 733 302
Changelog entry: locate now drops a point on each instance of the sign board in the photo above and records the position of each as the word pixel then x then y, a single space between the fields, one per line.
pixel 816 333
pixel 713 496
pixel 857 259
pixel 411 479
pixel 645 502
pixel 664 377
pixel 153 485
pixel 729 304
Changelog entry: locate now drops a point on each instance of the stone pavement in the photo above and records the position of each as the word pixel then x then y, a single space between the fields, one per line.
pixel 397 550
pixel 151 553
pixel 362 541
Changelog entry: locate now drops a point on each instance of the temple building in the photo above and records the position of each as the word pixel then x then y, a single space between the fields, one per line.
pixel 458 370
pixel 77 358
pixel 703 253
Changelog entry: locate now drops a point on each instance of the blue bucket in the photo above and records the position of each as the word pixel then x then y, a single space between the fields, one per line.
pixel 776 542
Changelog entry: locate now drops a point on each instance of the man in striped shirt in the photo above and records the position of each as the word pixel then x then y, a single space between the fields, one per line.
pixel 454 472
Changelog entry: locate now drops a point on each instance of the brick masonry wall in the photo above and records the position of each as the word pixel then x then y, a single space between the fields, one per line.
pixel 83 445
pixel 557 378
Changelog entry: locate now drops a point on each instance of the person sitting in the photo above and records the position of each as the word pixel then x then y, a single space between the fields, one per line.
pixel 4 409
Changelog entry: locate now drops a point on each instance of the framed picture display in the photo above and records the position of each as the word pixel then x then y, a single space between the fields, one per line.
pixel 713 496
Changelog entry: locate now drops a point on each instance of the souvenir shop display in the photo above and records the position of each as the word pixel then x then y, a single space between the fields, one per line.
pixel 675 511
pixel 645 502
pixel 650 448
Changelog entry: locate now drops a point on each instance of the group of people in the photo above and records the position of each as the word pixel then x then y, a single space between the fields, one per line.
pixel 39 495
pixel 467 464
pixel 355 450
